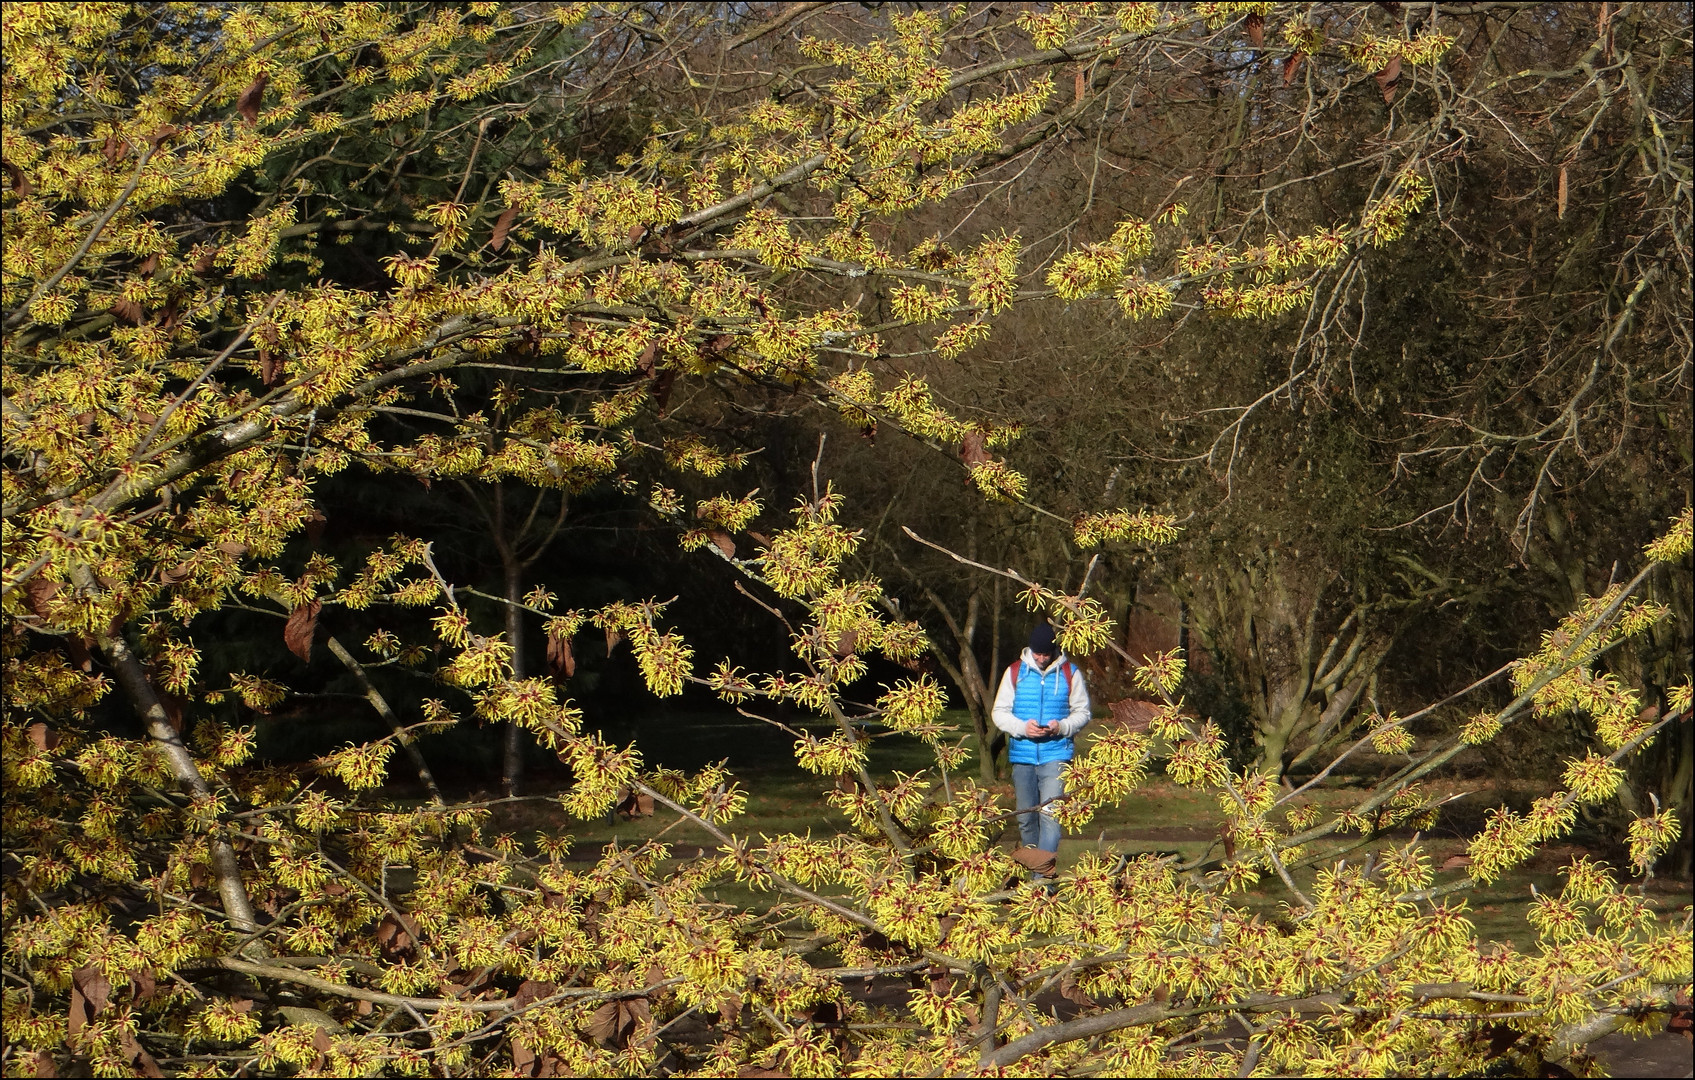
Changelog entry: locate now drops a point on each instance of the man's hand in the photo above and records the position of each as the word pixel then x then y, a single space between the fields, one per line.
pixel 1033 730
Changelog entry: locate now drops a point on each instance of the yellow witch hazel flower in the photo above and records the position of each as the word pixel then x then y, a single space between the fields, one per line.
pixel 429 279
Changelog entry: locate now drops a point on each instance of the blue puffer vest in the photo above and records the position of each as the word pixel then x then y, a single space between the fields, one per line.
pixel 1045 699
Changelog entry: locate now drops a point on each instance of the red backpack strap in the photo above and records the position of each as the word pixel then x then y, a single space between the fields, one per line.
pixel 1014 673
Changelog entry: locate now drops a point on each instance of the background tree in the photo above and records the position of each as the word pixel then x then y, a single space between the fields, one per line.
pixel 1353 429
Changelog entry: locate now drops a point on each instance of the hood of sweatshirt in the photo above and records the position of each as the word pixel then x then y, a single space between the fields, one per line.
pixel 1059 658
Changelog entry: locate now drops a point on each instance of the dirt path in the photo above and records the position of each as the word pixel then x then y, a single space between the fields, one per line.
pixel 1666 1054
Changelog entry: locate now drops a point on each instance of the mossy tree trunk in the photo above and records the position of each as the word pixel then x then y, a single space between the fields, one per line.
pixel 1265 621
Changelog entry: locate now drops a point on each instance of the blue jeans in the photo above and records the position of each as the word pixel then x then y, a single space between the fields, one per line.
pixel 1033 785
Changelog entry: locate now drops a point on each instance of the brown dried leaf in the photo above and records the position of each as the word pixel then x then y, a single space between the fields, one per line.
pixel 530 990
pixel 847 643
pixel 94 986
pixel 302 624
pixel 1560 199
pixel 637 232
pixel 396 938
pixel 269 367
pixel 1454 862
pixel 1080 87
pixel 1229 837
pixel 204 261
pixel 730 1009
pixel 1389 78
pixel 90 992
pixel 613 637
pixel 363 1007
pixel 148 265
pixel 1256 30
pixel 45 1065
pixel 561 661
pixel 175 575
pixel 139 1056
pixel 1070 991
pixel 724 542
pixel 616 1021
pixel 972 449
pixel 146 984
pixel 523 1058
pixel 248 103
pixel 20 182
pixel 127 310
pixel 502 226
pixel 77 650
pixel 1035 860
pixel 662 389
pixel 114 149
pixel 1291 65
pixel 44 737
pixel 36 594
pixel 645 360
pixel 232 547
pixel 163 133
pixel 939 979
pixel 635 804
pixel 315 528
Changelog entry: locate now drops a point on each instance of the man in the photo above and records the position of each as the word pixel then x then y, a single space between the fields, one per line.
pixel 1042 704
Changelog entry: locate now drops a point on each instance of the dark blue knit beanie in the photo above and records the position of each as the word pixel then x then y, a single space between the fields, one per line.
pixel 1042 640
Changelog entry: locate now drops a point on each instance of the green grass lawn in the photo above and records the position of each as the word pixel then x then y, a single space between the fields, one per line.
pixel 1158 816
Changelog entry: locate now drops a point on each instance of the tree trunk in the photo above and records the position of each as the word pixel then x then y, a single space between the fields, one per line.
pixel 1678 755
pixel 380 703
pixel 226 868
pixel 1272 739
pixel 997 738
pixel 979 693
pixel 512 769
pixel 1651 663
pixel 1299 680
pixel 962 670
pixel 1332 719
